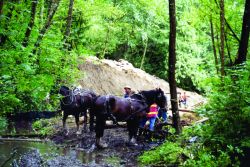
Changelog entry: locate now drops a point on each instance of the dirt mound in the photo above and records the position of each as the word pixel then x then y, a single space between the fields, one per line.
pixel 109 77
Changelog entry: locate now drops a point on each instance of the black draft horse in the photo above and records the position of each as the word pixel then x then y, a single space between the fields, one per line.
pixel 76 102
pixel 130 110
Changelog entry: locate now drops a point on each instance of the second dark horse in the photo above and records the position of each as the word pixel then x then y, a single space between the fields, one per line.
pixel 76 102
pixel 130 110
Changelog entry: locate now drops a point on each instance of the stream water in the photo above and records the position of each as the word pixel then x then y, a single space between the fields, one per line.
pixel 80 148
pixel 49 150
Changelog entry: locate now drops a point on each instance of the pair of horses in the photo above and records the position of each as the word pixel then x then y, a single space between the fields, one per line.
pixel 131 110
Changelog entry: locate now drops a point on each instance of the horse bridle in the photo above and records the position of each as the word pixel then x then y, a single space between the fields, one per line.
pixel 157 97
pixel 71 95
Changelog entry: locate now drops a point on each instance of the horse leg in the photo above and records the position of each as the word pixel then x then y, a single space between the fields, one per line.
pixel 91 120
pixel 133 125
pixel 77 124
pixel 136 127
pixel 100 124
pixel 85 121
pixel 129 127
pixel 65 116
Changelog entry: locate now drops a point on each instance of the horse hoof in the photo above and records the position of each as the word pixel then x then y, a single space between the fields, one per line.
pixel 133 142
pixel 78 132
pixel 101 145
pixel 65 132
pixel 91 129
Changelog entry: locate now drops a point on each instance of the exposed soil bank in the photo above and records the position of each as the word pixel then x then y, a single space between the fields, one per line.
pixel 109 77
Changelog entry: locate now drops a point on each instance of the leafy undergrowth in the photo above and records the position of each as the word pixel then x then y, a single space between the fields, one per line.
pixel 168 153
pixel 45 127
pixel 186 150
pixel 224 140
pixel 3 124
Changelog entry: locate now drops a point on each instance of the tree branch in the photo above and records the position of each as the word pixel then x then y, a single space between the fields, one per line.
pixel 46 26
pixel 31 23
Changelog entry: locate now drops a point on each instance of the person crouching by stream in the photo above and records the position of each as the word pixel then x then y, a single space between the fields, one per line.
pixel 151 116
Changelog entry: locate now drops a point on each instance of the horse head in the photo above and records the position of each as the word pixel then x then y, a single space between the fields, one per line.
pixel 64 91
pixel 160 98
pixel 154 96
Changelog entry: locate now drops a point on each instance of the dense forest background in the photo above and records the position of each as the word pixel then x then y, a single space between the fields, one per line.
pixel 42 41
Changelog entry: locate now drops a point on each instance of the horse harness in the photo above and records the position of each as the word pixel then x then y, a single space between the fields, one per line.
pixel 74 96
pixel 110 114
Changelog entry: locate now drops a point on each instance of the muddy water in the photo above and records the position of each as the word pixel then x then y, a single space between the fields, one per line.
pixel 78 147
pixel 48 150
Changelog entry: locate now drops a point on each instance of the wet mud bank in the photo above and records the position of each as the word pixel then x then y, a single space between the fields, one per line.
pixel 118 153
pixel 73 150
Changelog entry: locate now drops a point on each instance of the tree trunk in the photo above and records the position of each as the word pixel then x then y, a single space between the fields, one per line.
pixel 171 63
pixel 222 37
pixel 242 52
pixel 228 25
pixel 68 25
pixel 218 44
pixel 4 37
pixel 49 4
pixel 41 14
pixel 46 26
pixel 31 23
pixel 144 54
pixel 1 6
pixel 232 31
pixel 105 44
pixel 228 50
pixel 213 44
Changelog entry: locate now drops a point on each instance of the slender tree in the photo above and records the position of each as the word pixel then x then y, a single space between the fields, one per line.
pixel 222 36
pixel 4 37
pixel 106 42
pixel 41 14
pixel 228 50
pixel 242 52
pixel 171 66
pixel 144 53
pixel 68 25
pixel 31 22
pixel 1 7
pixel 46 26
pixel 213 44
pixel 233 34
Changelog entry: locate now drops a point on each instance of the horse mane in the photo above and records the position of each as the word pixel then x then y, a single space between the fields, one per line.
pixel 137 96
pixel 63 90
pixel 64 87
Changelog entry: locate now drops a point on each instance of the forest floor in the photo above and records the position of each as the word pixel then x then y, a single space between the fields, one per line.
pixel 119 151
